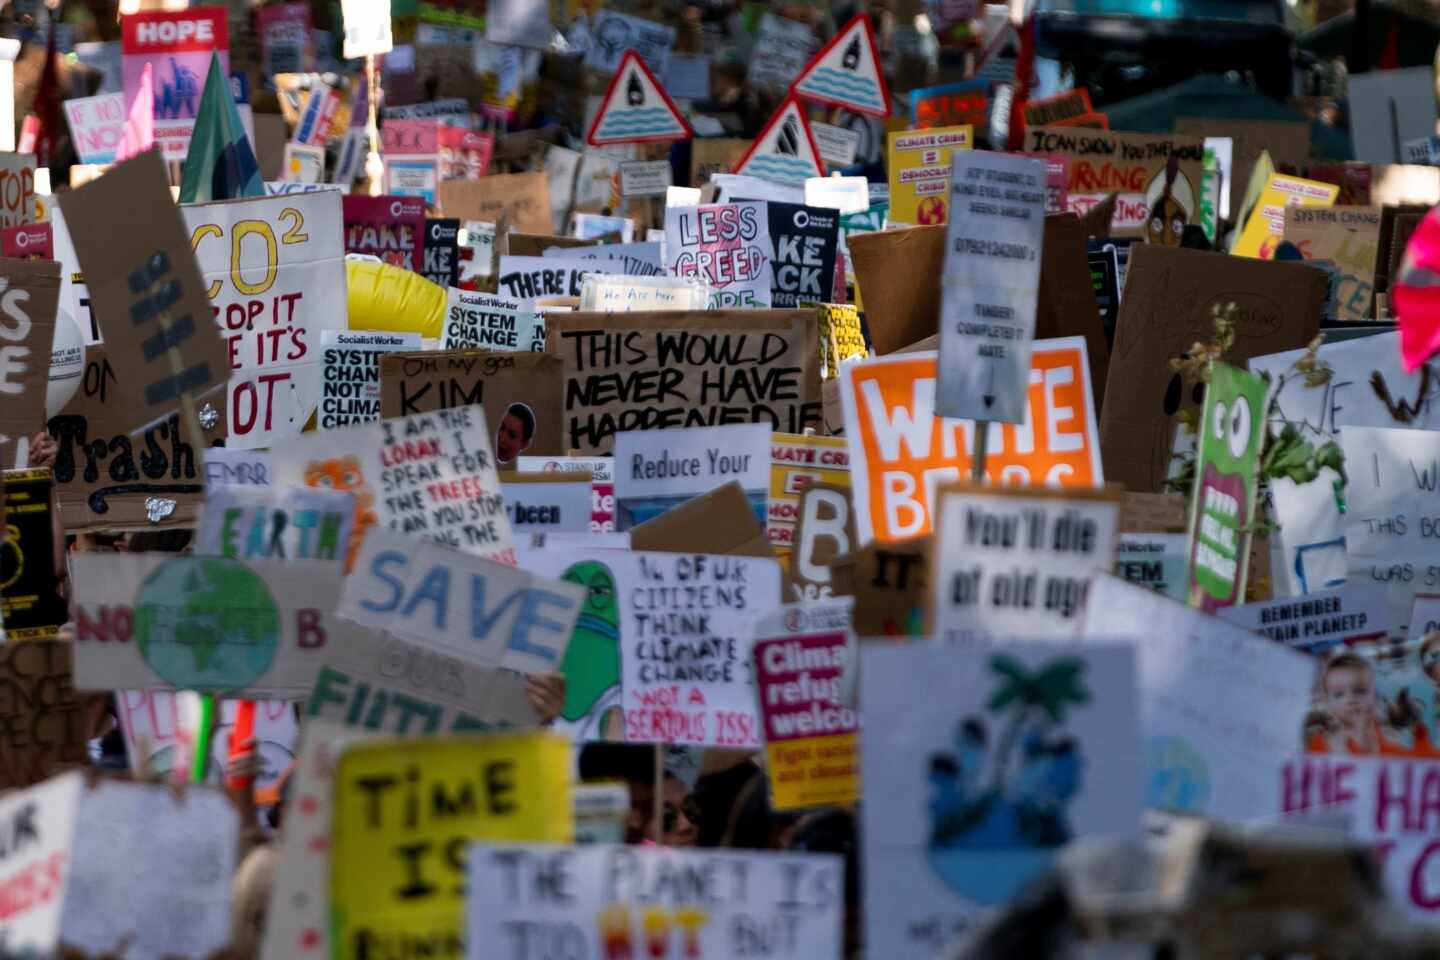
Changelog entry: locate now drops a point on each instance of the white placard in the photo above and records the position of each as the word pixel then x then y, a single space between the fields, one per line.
pixel 837 145
pixel 41 824
pixel 682 196
pixel 276 523
pixel 97 126
pixel 1154 560
pixel 483 321
pixel 527 279
pixel 656 470
pixel 240 467
pixel 614 33
pixel 991 285
pixel 549 506
pixel 350 379
pixel 640 259
pixel 845 194
pixel 725 244
pixel 645 178
pixel 367 28
pixel 1315 622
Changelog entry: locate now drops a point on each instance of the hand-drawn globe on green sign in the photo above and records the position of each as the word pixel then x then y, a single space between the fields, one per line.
pixel 207 624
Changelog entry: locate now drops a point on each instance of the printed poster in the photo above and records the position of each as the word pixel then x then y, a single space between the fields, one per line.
pixel 178 46
pixel 484 321
pixel 728 245
pixel 900 451
pixel 919 167
pixel 1265 229
pixel 1155 560
pixel 658 470
pixel 442 252
pixel 979 765
pixel 31 607
pixel 805 240
pixel 275 274
pixel 796 461
pixel 602 483
pixel 391 228
pixel 350 374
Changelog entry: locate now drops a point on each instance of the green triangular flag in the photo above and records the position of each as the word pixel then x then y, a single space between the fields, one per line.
pixel 220 164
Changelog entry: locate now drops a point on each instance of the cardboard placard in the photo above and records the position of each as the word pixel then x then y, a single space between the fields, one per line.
pixel 273 268
pixel 213 625
pixel 665 645
pixel 152 480
pixel 955 822
pixel 1134 167
pixel 919 167
pixel 350 374
pixel 391 228
pixel 1349 238
pixel 1220 706
pixel 605 900
pixel 1286 141
pixel 484 321
pixel 523 199
pixel 901 451
pixel 602 486
pixel 824 531
pixel 796 462
pixel 1017 564
pixel 1317 622
pixel 147 293
pixel 31 607
pixel 803 652
pixel 728 245
pixel 44 723
pixel 431 475
pixel 31 296
pixel 890 584
pixel 520 386
pixel 657 470
pixel 391 879
pixel 548 502
pixel 1169 296
pixel 646 371
pixel 724 520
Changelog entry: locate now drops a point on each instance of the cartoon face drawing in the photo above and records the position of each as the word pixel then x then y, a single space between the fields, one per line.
pixel 592 660
pixel 1170 198
pixel 344 473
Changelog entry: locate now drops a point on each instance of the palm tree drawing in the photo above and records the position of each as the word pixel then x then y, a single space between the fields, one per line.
pixel 1050 690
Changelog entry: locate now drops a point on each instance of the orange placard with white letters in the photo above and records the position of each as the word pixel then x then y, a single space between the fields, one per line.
pixel 900 452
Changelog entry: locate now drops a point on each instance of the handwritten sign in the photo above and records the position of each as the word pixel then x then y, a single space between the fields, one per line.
pixel 209 624
pixel 431 475
pixel 803 653
pixel 36 867
pixel 728 245
pixel 900 451
pixel 600 900
pixel 240 467
pixel 405 813
pixel 528 279
pixel 483 321
pixel 1347 237
pixel 29 298
pixel 43 721
pixel 276 523
pixel 161 728
pixel 656 470
pixel 650 371
pixel 350 373
pixel 824 532
pixel 1017 564
pixel 97 126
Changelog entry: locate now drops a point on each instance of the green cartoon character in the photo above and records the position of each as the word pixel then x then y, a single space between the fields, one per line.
pixel 592 661
pixel 1232 431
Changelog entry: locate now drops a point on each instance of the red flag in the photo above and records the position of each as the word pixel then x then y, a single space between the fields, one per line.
pixel 46 107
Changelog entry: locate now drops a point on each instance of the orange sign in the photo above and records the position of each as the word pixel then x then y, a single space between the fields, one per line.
pixel 900 452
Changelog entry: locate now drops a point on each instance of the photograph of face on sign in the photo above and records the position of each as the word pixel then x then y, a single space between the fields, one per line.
pixel 514 433
pixel 1377 697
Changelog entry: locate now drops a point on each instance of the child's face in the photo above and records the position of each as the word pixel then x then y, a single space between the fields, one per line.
pixel 1350 695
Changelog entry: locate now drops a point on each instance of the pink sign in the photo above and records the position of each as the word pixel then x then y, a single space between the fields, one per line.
pixel 178 45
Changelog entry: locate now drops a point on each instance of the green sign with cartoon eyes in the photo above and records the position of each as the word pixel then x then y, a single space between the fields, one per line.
pixel 1227 463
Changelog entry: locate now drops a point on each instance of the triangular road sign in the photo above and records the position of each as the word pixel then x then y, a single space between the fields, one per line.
pixel 785 151
pixel 636 109
pixel 846 73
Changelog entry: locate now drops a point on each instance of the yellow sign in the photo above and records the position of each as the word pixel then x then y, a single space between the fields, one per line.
pixel 918 162
pixel 405 814
pixel 841 338
pixel 796 461
pixel 1266 226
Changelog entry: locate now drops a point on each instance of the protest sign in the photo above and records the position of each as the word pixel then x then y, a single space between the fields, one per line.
pixel 973 761
pixel 303 164
pixel 1154 560
pixel 1347 237
pixel 29 241
pixel 803 652
pixel 603 901
pixel 842 337
pixel 602 485
pixel 350 374
pixel 548 502
pixel 209 624
pixel 239 467
pixel 285 39
pixel 1317 622
pixel 161 728
pixel 367 28
pixel 797 461
pixel 31 607
pixel 529 279
pixel 178 47
pixel 657 470
pixel 1227 478
pixel 837 147
pixel 44 723
pixel 35 870
pixel 1171 297
pixel 636 109
pixel 616 33
pixel 29 299
pixel 1394 810
pixel 673 631
pixel 723 519
pixel 824 531
pixel 728 245
pixel 378 682
pixel 272 266
pixel 647 371
pixel 107 479
pixel 523 199
pixel 1389 107
pixel 391 228
pixel 804 239
pixel 431 474
pixel 18 197
pixel 1063 109
pixel 900 451
pixel 97 126
pixel 990 286
pixel 966 103
pixel 1156 177
pixel 1220 706
pixel 483 321
pixel 1388 525
pixel 276 523
pixel 1266 226
pixel 397 864
pixel 847 72
pixel 147 294
pixel 634 259
pixel 784 152
pixel 606 293
pixel 522 391
pixel 442 252
pixel 1017 564
pixel 782 48
pixel 919 168
pixel 465 154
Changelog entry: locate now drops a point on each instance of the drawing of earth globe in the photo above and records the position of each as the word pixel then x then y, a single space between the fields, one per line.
pixel 207 624
pixel 989 876
pixel 1179 776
